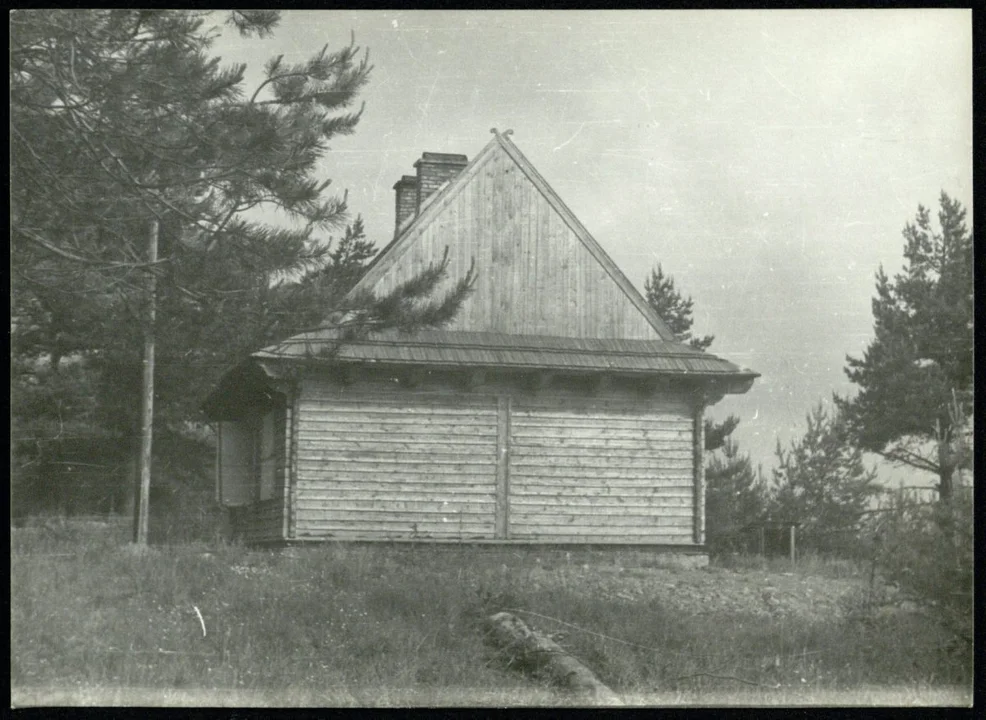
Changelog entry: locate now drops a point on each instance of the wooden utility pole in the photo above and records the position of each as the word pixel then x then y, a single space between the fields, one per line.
pixel 143 480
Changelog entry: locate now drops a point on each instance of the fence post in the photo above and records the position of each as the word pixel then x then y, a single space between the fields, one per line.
pixel 792 545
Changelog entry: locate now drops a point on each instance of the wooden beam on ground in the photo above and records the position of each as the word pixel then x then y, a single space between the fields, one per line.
pixel 533 651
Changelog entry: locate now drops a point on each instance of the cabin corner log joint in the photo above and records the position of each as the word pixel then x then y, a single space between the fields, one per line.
pixel 555 408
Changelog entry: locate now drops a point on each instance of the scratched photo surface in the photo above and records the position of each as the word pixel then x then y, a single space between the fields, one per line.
pixel 767 161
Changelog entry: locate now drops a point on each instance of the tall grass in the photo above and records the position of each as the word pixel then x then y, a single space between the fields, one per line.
pixel 376 625
pixel 807 564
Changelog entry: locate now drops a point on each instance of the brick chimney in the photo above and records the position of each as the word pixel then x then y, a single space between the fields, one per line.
pixel 434 169
pixel 406 191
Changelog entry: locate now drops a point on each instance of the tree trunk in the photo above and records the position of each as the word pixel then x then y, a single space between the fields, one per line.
pixel 946 469
pixel 143 489
pixel 533 651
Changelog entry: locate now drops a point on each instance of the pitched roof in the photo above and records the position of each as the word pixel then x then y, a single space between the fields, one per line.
pixel 447 348
pixel 652 350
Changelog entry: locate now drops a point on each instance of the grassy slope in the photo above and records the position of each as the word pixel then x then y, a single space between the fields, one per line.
pixel 365 625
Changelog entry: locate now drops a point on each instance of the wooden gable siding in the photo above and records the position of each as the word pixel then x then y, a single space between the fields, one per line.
pixel 535 276
pixel 378 461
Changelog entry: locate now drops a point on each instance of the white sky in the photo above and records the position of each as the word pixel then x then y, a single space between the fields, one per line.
pixel 768 159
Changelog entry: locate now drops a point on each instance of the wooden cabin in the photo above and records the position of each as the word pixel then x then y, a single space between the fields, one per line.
pixel 555 408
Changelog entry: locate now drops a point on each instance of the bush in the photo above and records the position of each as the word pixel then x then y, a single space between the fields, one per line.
pixel 926 549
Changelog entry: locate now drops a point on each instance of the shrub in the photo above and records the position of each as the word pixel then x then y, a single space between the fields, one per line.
pixel 926 549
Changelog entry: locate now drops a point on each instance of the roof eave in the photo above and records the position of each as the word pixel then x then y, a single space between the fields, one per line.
pixel 740 381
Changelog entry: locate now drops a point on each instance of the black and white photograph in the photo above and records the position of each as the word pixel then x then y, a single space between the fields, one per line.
pixel 491 358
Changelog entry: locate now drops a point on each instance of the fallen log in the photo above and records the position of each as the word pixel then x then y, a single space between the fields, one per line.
pixel 542 656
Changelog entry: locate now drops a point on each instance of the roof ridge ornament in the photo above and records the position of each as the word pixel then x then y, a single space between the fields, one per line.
pixel 505 133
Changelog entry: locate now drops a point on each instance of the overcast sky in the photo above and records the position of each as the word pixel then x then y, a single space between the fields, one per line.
pixel 767 159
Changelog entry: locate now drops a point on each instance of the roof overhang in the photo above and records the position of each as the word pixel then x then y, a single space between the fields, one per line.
pixel 451 350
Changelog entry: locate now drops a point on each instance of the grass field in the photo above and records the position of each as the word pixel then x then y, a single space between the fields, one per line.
pixel 94 622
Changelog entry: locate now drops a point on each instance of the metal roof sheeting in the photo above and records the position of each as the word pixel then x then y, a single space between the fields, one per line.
pixel 487 349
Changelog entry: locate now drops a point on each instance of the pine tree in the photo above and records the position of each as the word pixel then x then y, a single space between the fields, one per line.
pixel 673 308
pixel 916 375
pixel 822 483
pixel 735 496
pixel 121 123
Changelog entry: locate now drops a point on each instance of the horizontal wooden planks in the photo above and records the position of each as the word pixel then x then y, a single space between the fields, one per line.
pixel 654 463
pixel 604 493
pixel 589 533
pixel 615 537
pixel 435 482
pixel 458 502
pixel 385 504
pixel 608 424
pixel 591 438
pixel 378 411
pixel 397 464
pixel 664 473
pixel 403 527
pixel 637 518
pixel 390 456
pixel 563 407
pixel 409 443
pixel 603 505
pixel 413 472
pixel 620 470
pixel 402 464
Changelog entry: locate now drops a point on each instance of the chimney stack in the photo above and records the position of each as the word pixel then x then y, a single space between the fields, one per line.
pixel 406 190
pixel 434 170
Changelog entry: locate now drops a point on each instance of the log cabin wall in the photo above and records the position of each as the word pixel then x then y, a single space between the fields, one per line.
pixel 377 461
pixel 385 458
pixel 601 469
